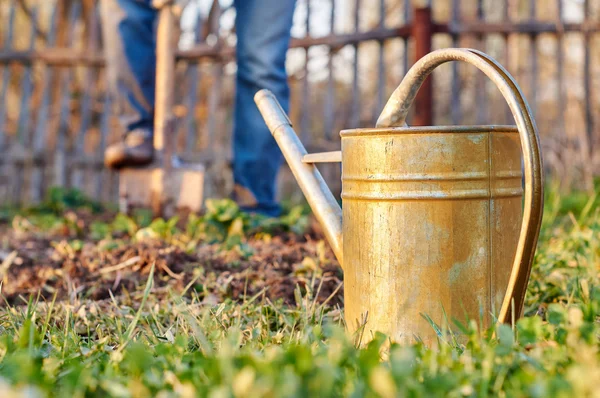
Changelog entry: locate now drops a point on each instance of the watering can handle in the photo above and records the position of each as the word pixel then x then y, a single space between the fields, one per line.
pixel 394 114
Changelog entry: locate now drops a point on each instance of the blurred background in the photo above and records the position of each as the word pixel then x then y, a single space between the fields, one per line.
pixel 346 58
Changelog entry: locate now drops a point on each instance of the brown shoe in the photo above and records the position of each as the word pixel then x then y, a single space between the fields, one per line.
pixel 136 149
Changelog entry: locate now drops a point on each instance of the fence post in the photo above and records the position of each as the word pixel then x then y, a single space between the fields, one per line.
pixel 422 30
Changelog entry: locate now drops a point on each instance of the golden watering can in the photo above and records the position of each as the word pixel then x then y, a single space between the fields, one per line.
pixel 433 222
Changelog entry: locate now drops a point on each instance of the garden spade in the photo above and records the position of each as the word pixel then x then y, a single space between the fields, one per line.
pixel 169 183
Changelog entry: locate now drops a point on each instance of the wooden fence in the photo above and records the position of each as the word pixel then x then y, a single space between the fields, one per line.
pixel 346 57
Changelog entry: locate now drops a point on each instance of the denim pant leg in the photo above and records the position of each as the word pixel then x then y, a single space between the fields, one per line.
pixel 263 32
pixel 129 45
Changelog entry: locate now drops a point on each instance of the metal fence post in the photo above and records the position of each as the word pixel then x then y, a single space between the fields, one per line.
pixel 422 31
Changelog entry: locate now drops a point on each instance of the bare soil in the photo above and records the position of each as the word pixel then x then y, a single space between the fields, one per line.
pixel 45 264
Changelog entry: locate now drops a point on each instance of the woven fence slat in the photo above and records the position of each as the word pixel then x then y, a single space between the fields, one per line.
pixel 407 20
pixel 329 109
pixel 533 60
pixel 587 86
pixel 214 100
pixel 18 150
pixel 305 107
pixel 60 155
pixel 26 88
pixel 102 178
pixel 78 153
pixel 6 73
pixel 561 93
pixel 213 123
pixel 455 108
pixel 508 118
pixel 355 104
pixel 587 83
pixel 381 75
pixel 192 78
pixel 39 141
pixel 481 82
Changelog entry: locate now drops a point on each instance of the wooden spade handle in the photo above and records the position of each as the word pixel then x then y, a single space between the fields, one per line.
pixel 394 115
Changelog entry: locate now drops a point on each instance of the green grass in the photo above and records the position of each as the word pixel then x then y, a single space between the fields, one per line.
pixel 150 343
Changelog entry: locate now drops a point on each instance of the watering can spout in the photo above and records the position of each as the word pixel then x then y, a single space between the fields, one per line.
pixel 322 202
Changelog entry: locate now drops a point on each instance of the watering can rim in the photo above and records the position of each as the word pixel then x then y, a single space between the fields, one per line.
pixel 457 129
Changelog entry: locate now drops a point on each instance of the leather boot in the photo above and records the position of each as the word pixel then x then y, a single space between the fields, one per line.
pixel 136 149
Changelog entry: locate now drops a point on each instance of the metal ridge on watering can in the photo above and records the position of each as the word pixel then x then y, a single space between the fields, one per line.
pixel 431 215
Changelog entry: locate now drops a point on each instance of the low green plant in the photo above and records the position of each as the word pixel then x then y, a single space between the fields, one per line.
pixel 151 343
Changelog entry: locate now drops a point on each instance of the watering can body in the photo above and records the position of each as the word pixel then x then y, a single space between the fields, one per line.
pixel 433 226
pixel 431 219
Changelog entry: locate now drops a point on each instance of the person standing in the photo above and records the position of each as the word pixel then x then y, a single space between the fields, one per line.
pixel 263 33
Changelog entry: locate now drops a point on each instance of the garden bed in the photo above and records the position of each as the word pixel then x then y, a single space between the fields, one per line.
pixel 66 255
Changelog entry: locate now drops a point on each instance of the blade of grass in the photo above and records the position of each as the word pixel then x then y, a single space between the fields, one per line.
pixel 131 329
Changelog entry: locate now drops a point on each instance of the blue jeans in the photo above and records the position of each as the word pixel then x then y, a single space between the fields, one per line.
pixel 263 34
